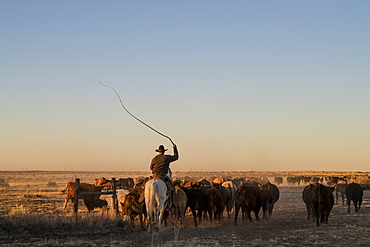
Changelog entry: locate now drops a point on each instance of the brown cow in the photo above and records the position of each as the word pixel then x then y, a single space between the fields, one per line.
pixel 340 188
pixel 103 182
pixel 126 183
pixel 90 201
pixel 189 184
pixel 132 208
pixel 180 199
pixel 218 180
pixel 203 182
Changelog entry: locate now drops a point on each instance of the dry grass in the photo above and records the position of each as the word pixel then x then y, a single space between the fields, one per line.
pixel 31 215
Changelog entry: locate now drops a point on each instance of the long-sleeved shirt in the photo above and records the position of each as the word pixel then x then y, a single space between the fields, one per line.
pixel 161 162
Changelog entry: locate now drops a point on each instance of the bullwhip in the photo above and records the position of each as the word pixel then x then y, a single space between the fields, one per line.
pixel 132 115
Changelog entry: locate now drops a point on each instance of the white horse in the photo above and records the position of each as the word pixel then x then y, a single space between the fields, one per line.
pixel 155 199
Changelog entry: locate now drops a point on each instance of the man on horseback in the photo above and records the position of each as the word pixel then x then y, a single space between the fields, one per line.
pixel 160 165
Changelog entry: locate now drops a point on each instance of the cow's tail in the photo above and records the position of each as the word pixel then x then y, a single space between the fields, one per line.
pixel 212 205
pixel 65 188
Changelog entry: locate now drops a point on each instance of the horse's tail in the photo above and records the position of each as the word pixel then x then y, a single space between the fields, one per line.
pixel 150 192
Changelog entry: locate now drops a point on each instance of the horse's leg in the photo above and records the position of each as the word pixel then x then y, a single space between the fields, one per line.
pixel 160 211
pixel 150 218
pixel 150 205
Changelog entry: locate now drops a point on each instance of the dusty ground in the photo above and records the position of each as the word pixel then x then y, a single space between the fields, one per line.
pixel 31 215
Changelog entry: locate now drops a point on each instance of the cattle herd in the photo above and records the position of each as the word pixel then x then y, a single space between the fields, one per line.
pixel 218 198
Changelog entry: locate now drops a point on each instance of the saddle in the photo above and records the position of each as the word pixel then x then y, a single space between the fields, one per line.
pixel 169 184
pixel 165 179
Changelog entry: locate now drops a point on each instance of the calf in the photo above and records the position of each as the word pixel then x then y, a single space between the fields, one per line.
pixel 354 193
pixel 248 198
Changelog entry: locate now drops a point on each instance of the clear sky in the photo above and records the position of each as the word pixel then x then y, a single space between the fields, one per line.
pixel 237 85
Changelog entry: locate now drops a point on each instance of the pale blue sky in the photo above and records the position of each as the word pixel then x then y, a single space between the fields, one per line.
pixel 238 85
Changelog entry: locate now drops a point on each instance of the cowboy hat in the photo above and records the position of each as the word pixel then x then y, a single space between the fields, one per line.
pixel 161 149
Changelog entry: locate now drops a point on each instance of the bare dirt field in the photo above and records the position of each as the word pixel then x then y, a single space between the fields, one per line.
pixel 31 214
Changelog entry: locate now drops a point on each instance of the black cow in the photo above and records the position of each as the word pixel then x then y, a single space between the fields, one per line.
pixel 354 193
pixel 197 202
pixel 215 203
pixel 274 194
pixel 322 201
pixel 224 193
pixel 238 181
pixel 307 199
pixel 267 203
pixel 294 180
pixel 91 203
pixel 278 180
pixel 248 198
